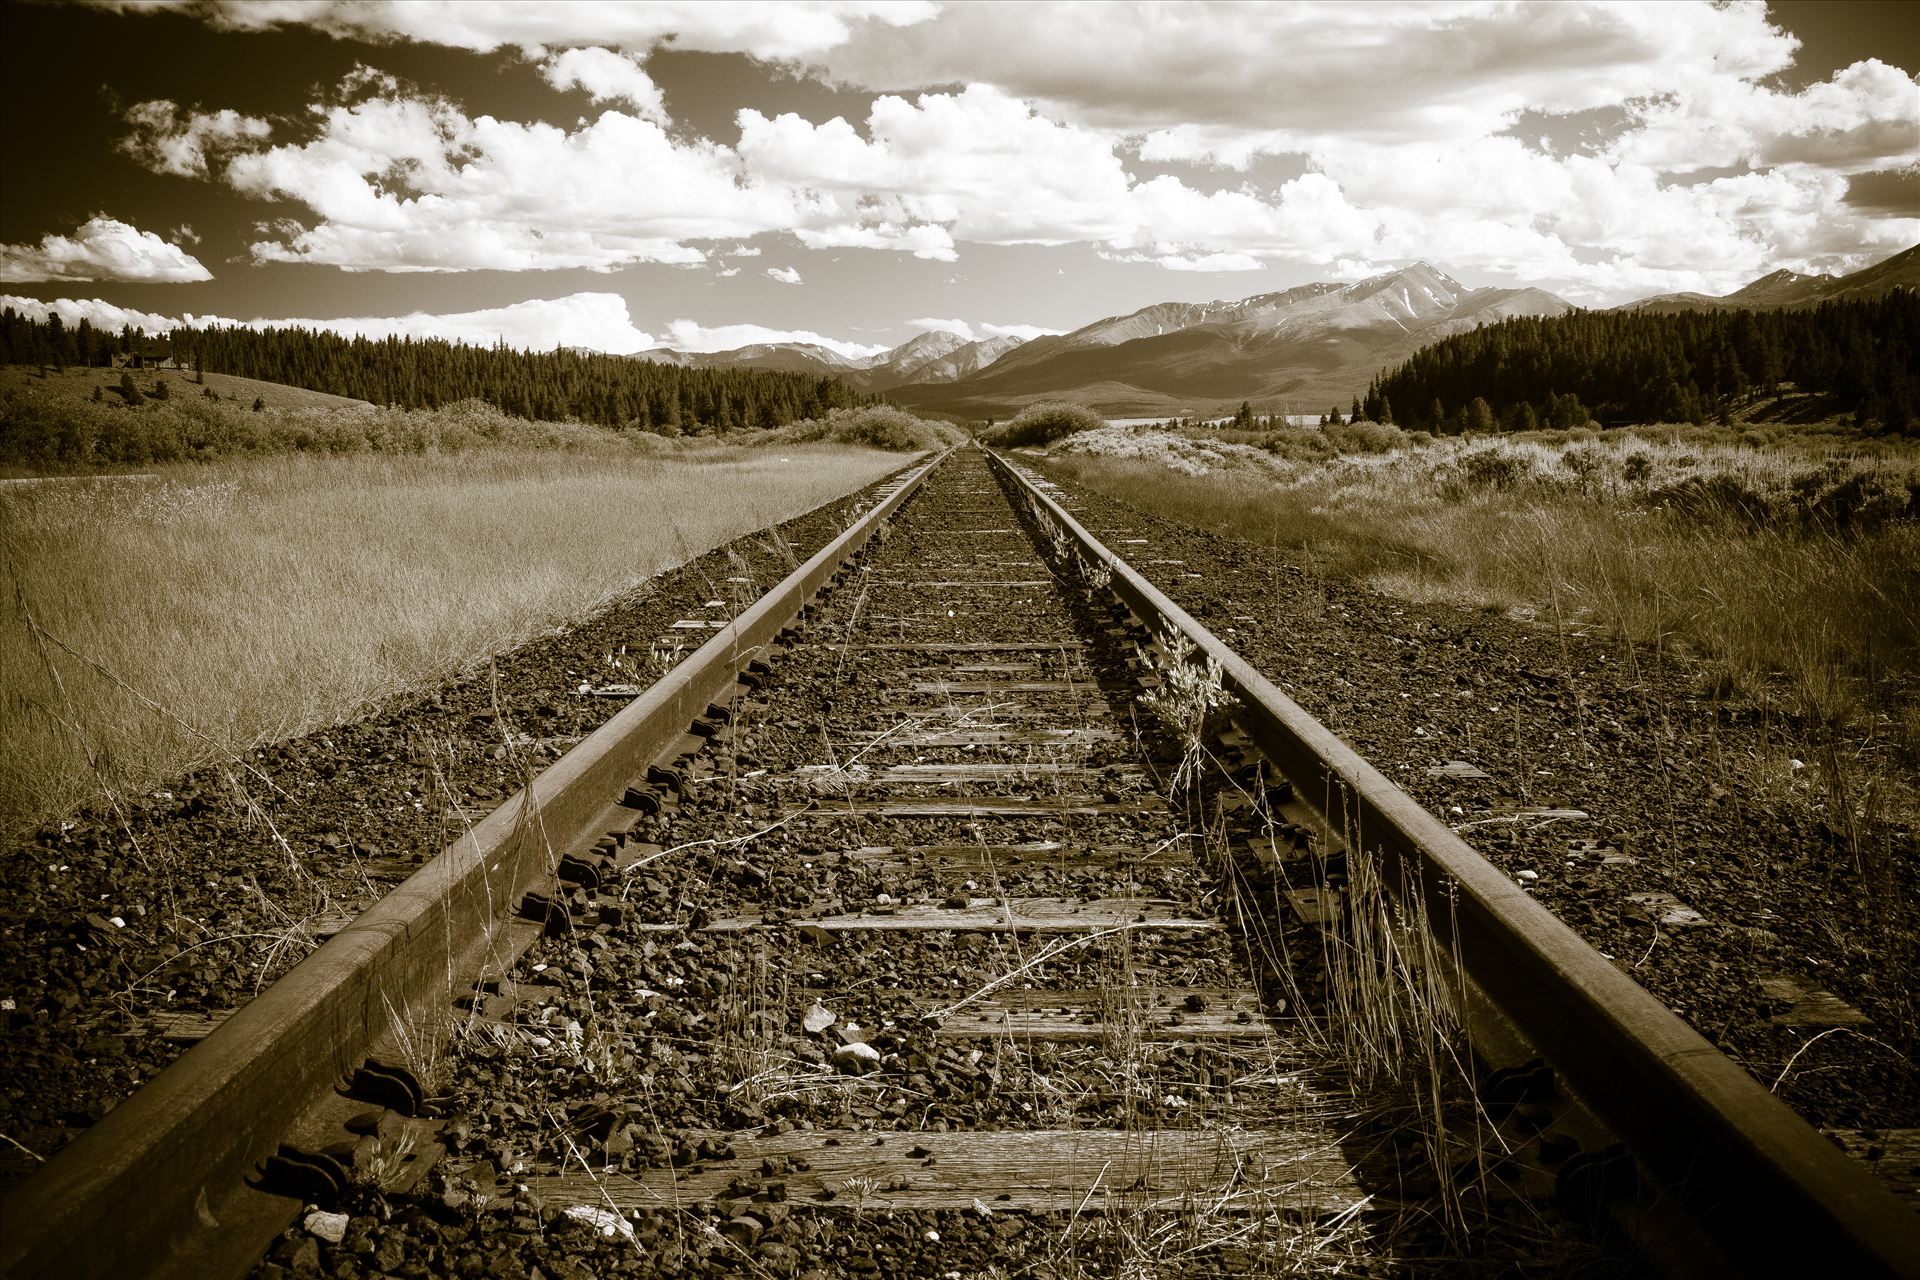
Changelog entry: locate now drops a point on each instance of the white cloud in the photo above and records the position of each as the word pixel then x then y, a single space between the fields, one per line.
pixel 102 249
pixel 785 275
pixel 596 320
pixel 689 335
pixel 1212 79
pixel 167 142
pixel 765 29
pixel 402 183
pixel 727 273
pixel 99 314
pixel 1409 119
pixel 976 332
pixel 599 321
pixel 607 77
pixel 932 324
pixel 1024 332
pixel 1866 116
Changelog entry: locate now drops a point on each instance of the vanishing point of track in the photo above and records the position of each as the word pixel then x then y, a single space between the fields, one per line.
pixel 940 921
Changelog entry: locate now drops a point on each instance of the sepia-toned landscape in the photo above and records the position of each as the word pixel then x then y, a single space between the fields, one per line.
pixel 959 640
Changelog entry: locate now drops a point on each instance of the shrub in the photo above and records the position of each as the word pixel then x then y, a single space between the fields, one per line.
pixel 1043 423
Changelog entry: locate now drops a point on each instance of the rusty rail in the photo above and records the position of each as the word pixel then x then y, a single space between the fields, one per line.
pixel 1769 1191
pixel 159 1185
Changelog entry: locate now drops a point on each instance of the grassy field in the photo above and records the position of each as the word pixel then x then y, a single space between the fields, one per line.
pixel 75 385
pixel 253 598
pixel 1788 559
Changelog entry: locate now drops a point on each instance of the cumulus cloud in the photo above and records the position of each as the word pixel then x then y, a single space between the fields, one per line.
pixel 599 321
pixel 184 145
pixel 785 275
pixel 607 76
pixel 1866 116
pixel 977 332
pixel 1210 81
pixel 406 183
pixel 102 248
pixel 596 320
pixel 98 313
pixel 762 28
pixel 933 324
pixel 1426 130
pixel 690 335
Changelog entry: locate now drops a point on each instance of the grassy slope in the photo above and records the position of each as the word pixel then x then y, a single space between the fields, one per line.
pixel 76 385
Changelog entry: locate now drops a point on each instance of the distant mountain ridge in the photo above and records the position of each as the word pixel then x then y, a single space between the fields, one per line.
pixel 1299 350
pixel 1303 348
pixel 1782 290
pixel 934 356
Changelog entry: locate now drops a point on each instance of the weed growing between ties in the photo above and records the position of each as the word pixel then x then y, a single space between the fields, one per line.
pixel 187 618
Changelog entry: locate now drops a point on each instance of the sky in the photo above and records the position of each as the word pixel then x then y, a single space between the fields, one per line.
pixel 853 172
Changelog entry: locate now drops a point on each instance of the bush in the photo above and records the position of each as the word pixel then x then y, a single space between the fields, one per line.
pixel 874 426
pixel 1043 423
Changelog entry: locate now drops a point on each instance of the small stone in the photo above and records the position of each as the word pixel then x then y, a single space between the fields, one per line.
pixel 857 1058
pixel 331 1227
pixel 818 1018
pixel 605 1221
pixel 743 1229
pixel 1528 875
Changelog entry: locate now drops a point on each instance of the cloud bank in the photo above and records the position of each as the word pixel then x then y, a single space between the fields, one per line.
pixel 103 249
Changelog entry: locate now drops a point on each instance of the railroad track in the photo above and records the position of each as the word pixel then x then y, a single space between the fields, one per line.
pixel 961 902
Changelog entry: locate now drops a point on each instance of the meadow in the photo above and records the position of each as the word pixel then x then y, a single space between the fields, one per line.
pixel 1785 560
pixel 156 621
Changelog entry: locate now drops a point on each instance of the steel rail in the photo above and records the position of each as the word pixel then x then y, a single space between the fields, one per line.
pixel 1773 1194
pixel 158 1186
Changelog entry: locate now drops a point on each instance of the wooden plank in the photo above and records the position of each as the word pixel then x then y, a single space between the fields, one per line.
pixel 987 737
pixel 1811 1006
pixel 977 646
pixel 987 915
pixel 985 858
pixel 991 688
pixel 972 807
pixel 1038 1170
pixel 962 582
pixel 1151 1013
pixel 965 771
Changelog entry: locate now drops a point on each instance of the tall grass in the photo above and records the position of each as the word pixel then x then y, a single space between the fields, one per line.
pixel 253 599
pixel 1795 569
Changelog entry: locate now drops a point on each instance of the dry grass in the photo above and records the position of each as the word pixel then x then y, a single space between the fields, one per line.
pixel 1793 565
pixel 211 608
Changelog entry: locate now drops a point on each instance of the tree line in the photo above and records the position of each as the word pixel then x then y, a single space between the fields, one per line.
pixel 1618 367
pixel 426 373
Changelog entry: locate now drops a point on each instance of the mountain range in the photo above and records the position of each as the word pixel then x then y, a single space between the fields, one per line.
pixel 1782 290
pixel 1300 350
pixel 927 357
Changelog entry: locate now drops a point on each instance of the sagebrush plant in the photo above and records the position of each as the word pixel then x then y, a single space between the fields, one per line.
pixel 1042 423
